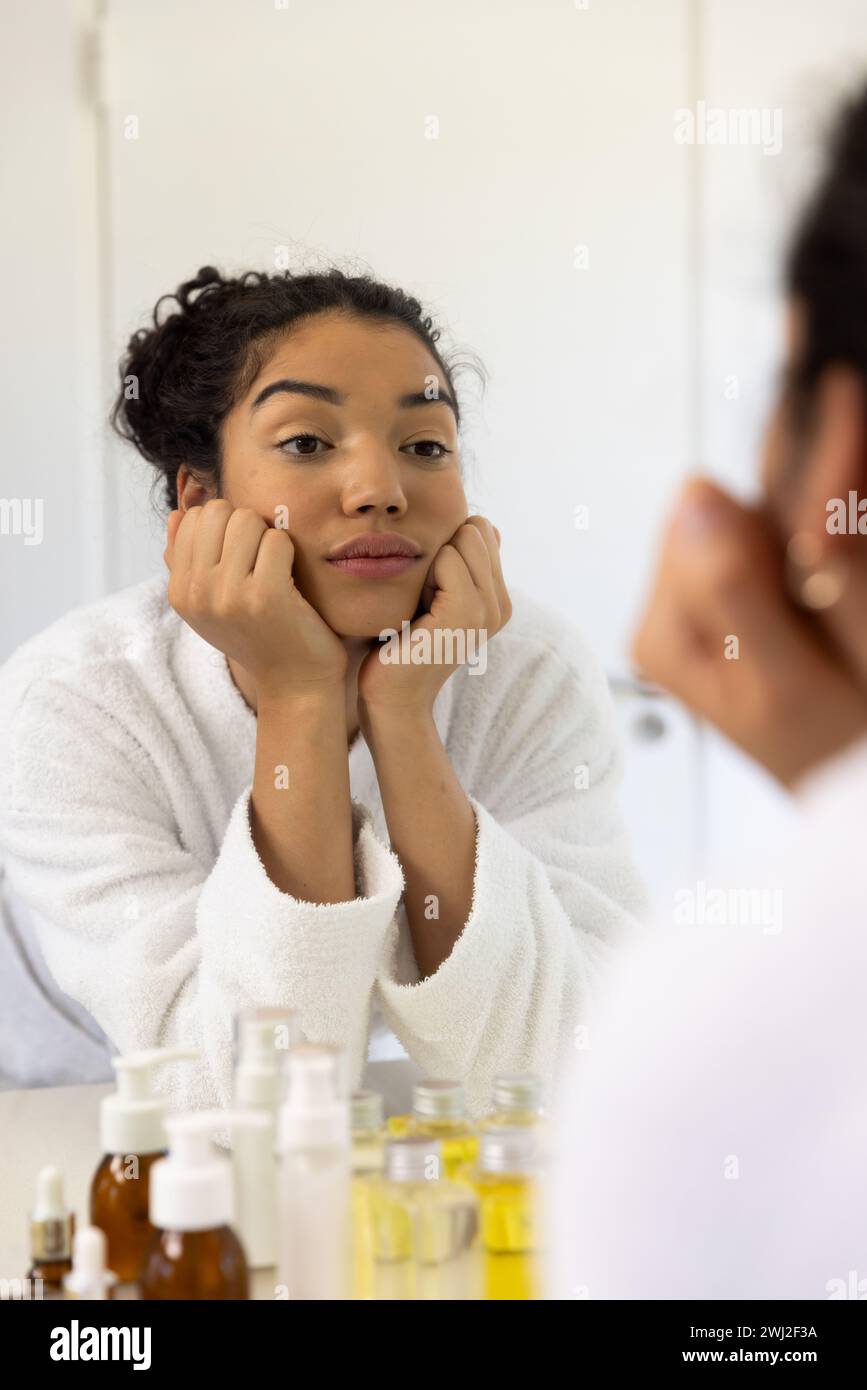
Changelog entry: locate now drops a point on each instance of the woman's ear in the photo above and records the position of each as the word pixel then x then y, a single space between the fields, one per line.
pixel 191 492
pixel 835 460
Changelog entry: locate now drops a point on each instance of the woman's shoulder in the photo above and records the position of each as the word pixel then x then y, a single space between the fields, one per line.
pixel 78 647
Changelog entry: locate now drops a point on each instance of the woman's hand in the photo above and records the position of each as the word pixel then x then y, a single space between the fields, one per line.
pixel 231 580
pixel 464 590
pixel 720 632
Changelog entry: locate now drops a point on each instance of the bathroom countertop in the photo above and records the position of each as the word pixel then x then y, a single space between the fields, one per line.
pixel 60 1125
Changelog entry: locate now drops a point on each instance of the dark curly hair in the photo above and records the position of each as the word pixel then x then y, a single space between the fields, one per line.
pixel 180 377
pixel 826 263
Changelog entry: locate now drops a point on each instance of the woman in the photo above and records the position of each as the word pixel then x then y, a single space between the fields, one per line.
pixel 202 776
pixel 715 1143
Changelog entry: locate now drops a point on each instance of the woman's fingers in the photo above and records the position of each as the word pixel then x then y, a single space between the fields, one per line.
pixel 173 521
pixel 211 533
pixel 241 543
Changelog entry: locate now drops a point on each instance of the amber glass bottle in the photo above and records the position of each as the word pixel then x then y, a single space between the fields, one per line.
pixel 119 1206
pixel 194 1265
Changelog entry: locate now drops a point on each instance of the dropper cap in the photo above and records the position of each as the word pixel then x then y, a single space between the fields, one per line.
pixel 89 1277
pixel 131 1119
pixel 263 1036
pixel 193 1188
pixel 315 1113
pixel 438 1100
pixel 50 1205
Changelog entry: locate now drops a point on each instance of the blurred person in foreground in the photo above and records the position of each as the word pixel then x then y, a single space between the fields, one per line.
pixel 714 1130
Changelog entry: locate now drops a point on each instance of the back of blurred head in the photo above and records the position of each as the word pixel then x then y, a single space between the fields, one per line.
pixel 816 444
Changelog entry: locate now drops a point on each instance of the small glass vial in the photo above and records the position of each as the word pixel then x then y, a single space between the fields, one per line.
pixel 438 1110
pixel 507 1181
pixel 368 1158
pixel 425 1227
pixel 516 1099
pixel 52 1228
pixel 368 1132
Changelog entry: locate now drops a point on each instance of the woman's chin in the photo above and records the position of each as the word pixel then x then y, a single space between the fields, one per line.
pixel 369 618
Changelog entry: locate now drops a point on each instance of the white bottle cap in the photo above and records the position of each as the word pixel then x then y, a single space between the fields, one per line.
pixel 89 1277
pixel 315 1113
pixel 131 1119
pixel 193 1188
pixel 262 1039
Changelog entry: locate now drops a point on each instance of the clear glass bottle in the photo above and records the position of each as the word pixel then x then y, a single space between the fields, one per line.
pixel 438 1110
pixel 368 1157
pixel 424 1226
pixel 517 1098
pixel 508 1179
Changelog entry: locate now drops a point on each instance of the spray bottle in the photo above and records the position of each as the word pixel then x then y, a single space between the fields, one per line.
pixel 194 1252
pixel 315 1177
pixel 133 1137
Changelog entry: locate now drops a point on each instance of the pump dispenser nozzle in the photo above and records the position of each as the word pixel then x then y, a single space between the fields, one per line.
pixel 263 1037
pixel 192 1189
pixel 131 1120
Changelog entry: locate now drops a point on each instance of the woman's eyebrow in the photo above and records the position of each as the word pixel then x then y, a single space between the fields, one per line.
pixel 298 388
pixel 294 387
pixel 419 398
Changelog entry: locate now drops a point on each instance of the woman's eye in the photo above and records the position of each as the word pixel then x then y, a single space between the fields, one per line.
pixel 304 442
pixel 429 444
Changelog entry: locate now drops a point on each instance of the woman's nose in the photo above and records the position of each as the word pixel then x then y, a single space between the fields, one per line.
pixel 373 483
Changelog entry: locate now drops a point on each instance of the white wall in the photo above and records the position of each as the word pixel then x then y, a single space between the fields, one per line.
pixel 305 126
pixel 53 440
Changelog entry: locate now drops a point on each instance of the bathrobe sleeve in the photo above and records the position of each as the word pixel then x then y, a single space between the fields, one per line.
pixel 554 884
pixel 161 947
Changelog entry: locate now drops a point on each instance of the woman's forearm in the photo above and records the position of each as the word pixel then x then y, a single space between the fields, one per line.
pixel 431 826
pixel 301 811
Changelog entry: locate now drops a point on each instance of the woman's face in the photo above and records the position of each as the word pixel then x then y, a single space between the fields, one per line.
pixel 336 438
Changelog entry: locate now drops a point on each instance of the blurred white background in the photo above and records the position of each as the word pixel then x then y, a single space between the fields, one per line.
pixel 515 165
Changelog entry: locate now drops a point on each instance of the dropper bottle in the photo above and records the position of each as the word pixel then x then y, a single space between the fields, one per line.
pixel 263 1037
pixel 315 1176
pixel 194 1252
pixel 89 1277
pixel 133 1137
pixel 51 1230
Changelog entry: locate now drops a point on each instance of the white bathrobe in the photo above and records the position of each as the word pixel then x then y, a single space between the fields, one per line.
pixel 126 767
pixel 713 1132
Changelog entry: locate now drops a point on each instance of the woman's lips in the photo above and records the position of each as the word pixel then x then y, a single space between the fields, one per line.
pixel 376 567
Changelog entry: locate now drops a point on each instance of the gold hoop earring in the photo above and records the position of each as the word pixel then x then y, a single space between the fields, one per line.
pixel 811 583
